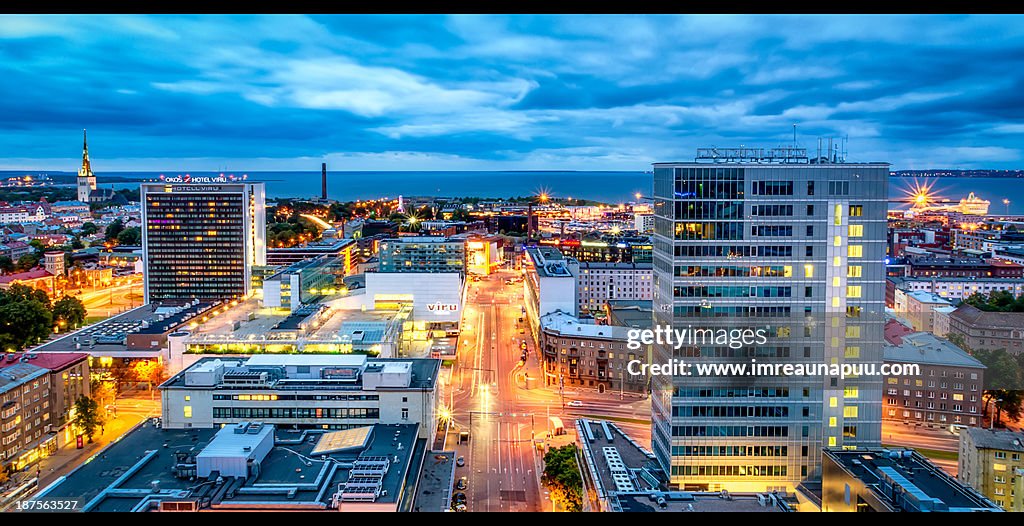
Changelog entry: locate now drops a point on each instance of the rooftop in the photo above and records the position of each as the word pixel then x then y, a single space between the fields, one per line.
pixel 19 374
pixel 923 296
pixel 925 487
pixel 53 361
pixel 926 348
pixel 972 315
pixel 992 439
pixel 616 462
pixel 434 491
pixel 563 324
pixel 150 464
pixel 701 502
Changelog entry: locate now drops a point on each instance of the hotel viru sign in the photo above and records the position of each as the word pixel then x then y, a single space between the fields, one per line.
pixel 442 307
pixel 187 179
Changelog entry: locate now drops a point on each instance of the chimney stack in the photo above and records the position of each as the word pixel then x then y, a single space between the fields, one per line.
pixel 323 181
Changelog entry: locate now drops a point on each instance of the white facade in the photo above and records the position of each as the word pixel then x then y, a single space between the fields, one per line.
pixel 643 222
pixel 600 282
pixel 957 288
pixel 310 391
pixel 435 296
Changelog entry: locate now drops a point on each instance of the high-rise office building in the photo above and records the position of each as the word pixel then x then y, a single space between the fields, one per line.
pixel 201 237
pixel 749 238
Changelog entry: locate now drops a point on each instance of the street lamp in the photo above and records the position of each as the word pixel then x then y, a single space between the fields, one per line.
pixel 992 421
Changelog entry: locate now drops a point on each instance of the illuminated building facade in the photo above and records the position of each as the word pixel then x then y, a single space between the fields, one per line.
pixel 746 239
pixel 326 391
pixel 423 254
pixel 201 239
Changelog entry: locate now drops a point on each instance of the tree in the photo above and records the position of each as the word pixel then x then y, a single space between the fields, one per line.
pixel 76 244
pixel 114 229
pixel 121 373
pixel 88 416
pixel 1009 402
pixel 70 311
pixel 149 371
pixel 89 228
pixel 27 262
pixel 104 392
pixel 130 236
pixel 562 477
pixel 6 264
pixel 25 317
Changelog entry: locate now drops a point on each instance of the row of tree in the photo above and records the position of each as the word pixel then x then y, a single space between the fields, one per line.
pixel 27 316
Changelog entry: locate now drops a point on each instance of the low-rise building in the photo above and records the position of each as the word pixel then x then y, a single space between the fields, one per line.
pixel 598 283
pixel 249 466
pixel 983 330
pixel 69 379
pixel 25 416
pixel 947 390
pixel 883 480
pixel 992 462
pixel 304 391
pixel 587 355
pixel 918 307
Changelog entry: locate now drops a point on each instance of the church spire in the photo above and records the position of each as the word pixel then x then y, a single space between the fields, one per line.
pixel 86 165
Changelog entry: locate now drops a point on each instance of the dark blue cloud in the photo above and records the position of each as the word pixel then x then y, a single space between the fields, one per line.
pixel 545 92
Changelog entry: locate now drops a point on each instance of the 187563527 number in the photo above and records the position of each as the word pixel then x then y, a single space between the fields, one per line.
pixel 46 505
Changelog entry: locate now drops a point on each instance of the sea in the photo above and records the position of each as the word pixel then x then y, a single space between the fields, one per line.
pixel 603 186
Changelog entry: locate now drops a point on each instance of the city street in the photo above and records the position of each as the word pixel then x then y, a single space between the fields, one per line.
pixel 491 400
pixel 108 301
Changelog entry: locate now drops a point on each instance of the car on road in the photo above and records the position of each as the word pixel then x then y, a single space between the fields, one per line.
pixel 575 403
pixel 462 484
pixel 522 331
pixel 460 508
pixel 461 461
pixel 459 498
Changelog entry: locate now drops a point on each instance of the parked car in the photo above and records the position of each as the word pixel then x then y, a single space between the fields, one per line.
pixel 462 484
pixel 459 498
pixel 461 461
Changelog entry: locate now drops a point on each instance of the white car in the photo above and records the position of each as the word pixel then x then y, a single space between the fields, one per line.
pixel 575 403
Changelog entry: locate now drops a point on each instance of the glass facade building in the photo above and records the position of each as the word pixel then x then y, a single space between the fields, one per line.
pixel 202 240
pixel 796 249
pixel 422 254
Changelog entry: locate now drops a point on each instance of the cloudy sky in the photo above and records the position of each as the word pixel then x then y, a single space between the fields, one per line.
pixel 503 92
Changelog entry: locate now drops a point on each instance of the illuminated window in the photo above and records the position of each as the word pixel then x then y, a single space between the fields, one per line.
pixel 853 331
pixel 833 401
pixel 839 215
pixel 856 230
pixel 832 421
pixel 838 241
pixel 853 291
pixel 854 271
pixel 831 441
pixel 835 301
pixel 835 281
pixel 837 261
pixel 188 411
pixel 808 271
pixel 855 251
pixel 850 411
pixel 188 398
pixel 856 210
pixel 787 271
pixel 852 351
pixel 851 392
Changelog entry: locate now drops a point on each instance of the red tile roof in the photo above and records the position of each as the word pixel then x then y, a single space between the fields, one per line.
pixel 895 331
pixel 54 361
pixel 36 273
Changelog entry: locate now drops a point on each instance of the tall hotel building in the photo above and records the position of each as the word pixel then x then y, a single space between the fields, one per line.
pixel 754 238
pixel 202 237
